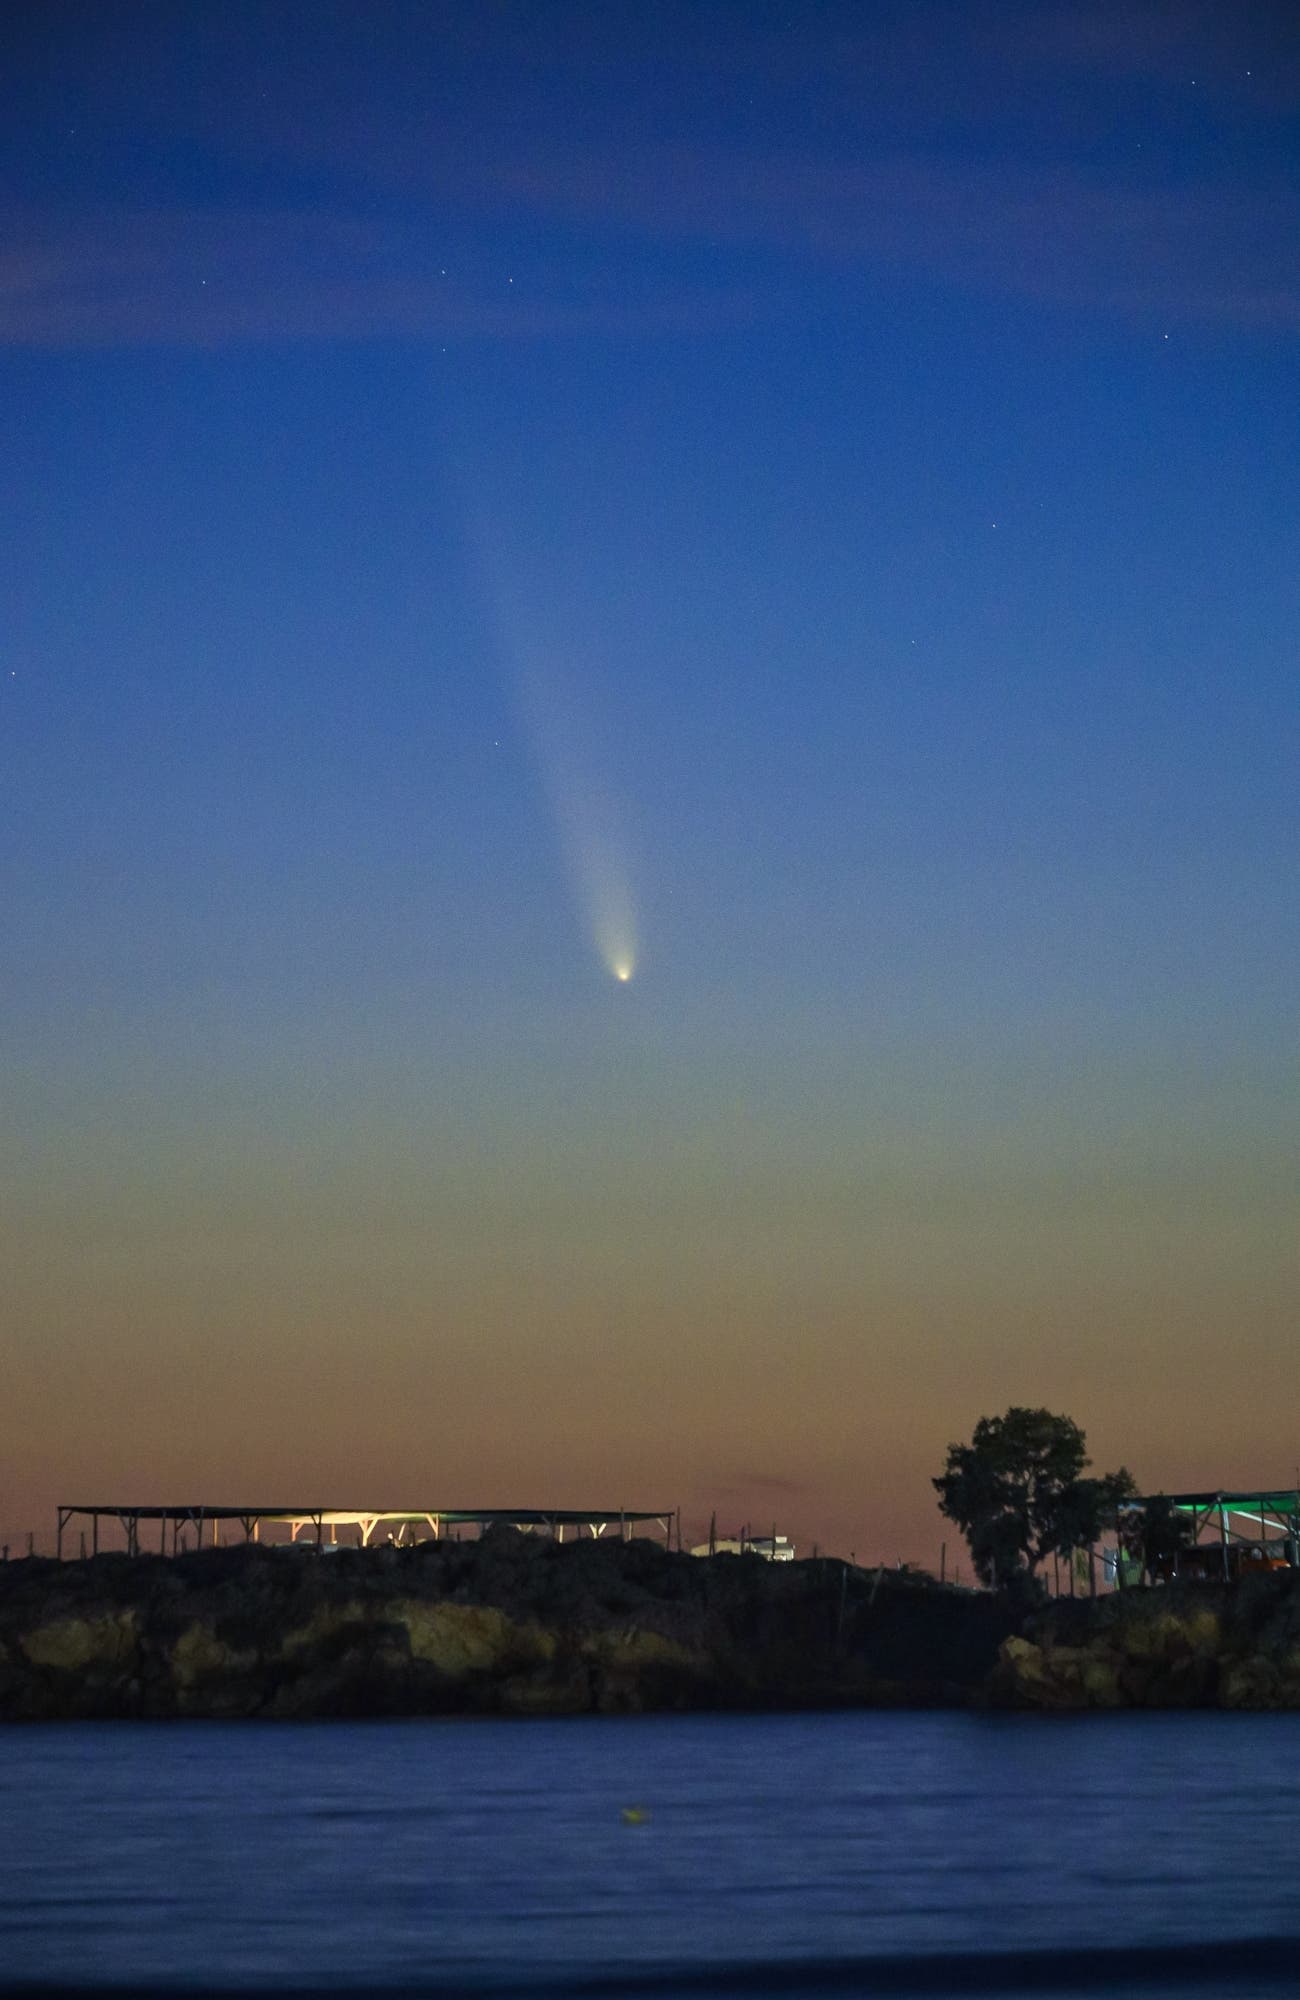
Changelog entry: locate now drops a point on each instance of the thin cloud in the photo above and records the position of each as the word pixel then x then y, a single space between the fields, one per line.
pixel 1043 233
pixel 197 279
pixel 747 1484
pixel 411 221
pixel 190 278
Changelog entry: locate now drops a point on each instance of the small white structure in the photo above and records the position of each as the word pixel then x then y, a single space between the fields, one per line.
pixel 772 1548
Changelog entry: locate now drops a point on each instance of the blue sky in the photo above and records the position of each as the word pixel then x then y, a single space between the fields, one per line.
pixel 874 434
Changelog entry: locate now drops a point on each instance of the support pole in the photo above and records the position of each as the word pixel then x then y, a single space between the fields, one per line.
pixel 58 1536
pixel 1223 1534
pixel 94 1532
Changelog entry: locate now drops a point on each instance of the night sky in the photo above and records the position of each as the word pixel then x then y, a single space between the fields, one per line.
pixel 798 504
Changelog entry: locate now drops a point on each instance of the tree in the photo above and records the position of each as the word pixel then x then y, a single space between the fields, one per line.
pixel 1017 1491
pixel 1157 1534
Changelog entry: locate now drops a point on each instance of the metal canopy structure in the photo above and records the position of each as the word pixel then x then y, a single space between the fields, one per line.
pixel 433 1521
pixel 1263 1524
pixel 1276 1509
pixel 1284 1505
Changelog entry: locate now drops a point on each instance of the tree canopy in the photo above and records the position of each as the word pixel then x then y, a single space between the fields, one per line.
pixel 1018 1491
pixel 1158 1534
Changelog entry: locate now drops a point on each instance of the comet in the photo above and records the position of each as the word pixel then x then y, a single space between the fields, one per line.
pixel 586 815
pixel 555 715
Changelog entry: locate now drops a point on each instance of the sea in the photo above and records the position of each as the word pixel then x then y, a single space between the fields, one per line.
pixel 757 1855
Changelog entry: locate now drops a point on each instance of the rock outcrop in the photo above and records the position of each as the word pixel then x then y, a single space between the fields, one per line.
pixel 516 1625
pixel 1193 1645
pixel 511 1625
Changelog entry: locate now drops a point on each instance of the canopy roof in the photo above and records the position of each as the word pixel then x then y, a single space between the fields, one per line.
pixel 523 1517
pixel 1284 1502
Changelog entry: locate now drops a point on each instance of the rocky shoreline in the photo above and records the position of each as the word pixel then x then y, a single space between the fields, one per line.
pixel 510 1625
pixel 516 1625
pixel 1190 1645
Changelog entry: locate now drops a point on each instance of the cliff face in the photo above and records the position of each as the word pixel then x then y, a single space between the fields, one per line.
pixel 511 1625
pixel 1175 1646
pixel 515 1625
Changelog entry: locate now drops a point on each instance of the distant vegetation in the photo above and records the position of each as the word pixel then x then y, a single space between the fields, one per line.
pixel 1019 1493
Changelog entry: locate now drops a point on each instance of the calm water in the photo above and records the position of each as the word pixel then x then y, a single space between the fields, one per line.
pixel 937 1854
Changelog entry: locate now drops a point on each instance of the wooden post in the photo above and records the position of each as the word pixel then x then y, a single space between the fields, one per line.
pixel 713 1532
